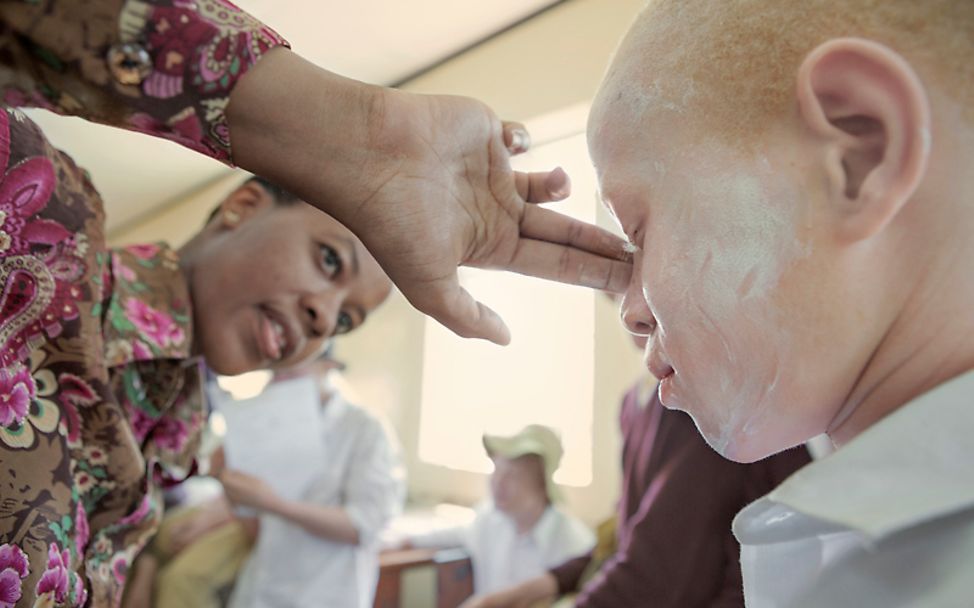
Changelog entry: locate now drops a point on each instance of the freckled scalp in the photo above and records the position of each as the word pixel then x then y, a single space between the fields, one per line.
pixel 737 59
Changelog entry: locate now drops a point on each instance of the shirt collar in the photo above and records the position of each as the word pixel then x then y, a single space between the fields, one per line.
pixel 913 466
pixel 147 308
pixel 544 530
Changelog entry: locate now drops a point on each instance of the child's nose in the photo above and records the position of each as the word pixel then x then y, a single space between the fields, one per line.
pixel 636 316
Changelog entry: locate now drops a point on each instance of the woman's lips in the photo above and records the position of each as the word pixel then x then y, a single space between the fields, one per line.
pixel 272 337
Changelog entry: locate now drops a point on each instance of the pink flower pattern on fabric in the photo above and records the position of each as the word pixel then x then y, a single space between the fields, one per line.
pixel 55 581
pixel 141 422
pixel 35 298
pixel 146 251
pixel 171 434
pixel 141 512
pixel 82 531
pixel 198 49
pixel 140 351
pixel 67 303
pixel 65 316
pixel 155 325
pixel 17 390
pixel 14 567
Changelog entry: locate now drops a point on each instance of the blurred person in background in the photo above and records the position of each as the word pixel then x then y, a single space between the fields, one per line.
pixel 319 550
pixel 521 531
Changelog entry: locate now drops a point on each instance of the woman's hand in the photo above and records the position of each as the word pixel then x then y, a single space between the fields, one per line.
pixel 217 462
pixel 451 199
pixel 246 490
pixel 424 181
pixel 186 530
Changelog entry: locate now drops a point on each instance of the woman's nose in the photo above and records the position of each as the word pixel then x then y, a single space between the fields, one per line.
pixel 322 313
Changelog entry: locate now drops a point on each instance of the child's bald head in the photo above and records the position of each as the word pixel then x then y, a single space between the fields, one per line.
pixel 738 59
pixel 796 176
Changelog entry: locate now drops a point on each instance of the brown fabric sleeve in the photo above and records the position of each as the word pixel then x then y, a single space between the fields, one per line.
pixel 185 58
pixel 569 573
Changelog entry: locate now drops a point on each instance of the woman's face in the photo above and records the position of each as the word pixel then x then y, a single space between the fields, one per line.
pixel 271 283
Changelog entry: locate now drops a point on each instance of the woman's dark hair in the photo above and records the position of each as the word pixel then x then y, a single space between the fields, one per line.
pixel 280 195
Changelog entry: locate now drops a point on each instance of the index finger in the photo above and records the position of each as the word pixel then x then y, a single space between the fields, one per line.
pixel 571 265
pixel 547 225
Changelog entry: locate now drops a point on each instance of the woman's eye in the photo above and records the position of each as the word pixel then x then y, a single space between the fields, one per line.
pixel 331 261
pixel 344 324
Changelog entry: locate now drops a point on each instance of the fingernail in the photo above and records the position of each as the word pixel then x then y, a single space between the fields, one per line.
pixel 520 141
pixel 559 185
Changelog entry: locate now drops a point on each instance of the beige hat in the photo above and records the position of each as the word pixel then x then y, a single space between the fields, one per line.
pixel 532 439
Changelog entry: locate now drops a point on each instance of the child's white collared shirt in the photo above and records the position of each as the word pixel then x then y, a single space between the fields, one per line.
pixel 886 521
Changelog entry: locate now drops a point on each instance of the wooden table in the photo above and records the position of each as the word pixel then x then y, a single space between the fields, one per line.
pixel 454 575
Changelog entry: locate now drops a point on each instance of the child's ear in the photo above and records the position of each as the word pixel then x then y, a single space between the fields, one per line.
pixel 871 110
pixel 242 204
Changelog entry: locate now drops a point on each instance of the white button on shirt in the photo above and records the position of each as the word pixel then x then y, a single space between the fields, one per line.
pixel 501 557
pixel 360 472
pixel 886 521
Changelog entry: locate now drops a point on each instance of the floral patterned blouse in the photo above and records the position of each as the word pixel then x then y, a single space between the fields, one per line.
pixel 99 396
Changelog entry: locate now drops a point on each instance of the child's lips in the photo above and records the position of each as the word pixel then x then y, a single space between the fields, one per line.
pixel 663 372
pixel 666 390
pixel 657 365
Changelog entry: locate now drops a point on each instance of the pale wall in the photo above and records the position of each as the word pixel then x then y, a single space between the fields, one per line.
pixel 181 219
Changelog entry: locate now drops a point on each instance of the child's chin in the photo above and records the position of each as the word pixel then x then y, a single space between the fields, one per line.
pixel 747 449
pixel 735 445
pixel 735 452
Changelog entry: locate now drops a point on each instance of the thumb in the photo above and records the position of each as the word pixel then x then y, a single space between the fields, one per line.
pixel 453 307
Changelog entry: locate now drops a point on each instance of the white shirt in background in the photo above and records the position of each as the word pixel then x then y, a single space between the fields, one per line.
pixel 501 557
pixel 886 521
pixel 360 472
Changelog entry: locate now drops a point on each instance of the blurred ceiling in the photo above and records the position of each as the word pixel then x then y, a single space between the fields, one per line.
pixel 378 41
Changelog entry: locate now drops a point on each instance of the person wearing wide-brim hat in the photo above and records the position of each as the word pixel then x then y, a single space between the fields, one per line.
pixel 533 440
pixel 523 530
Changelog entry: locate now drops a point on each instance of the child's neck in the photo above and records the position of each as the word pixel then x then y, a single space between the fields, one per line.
pixel 525 521
pixel 931 340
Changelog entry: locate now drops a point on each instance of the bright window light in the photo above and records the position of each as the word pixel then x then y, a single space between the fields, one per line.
pixel 545 376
